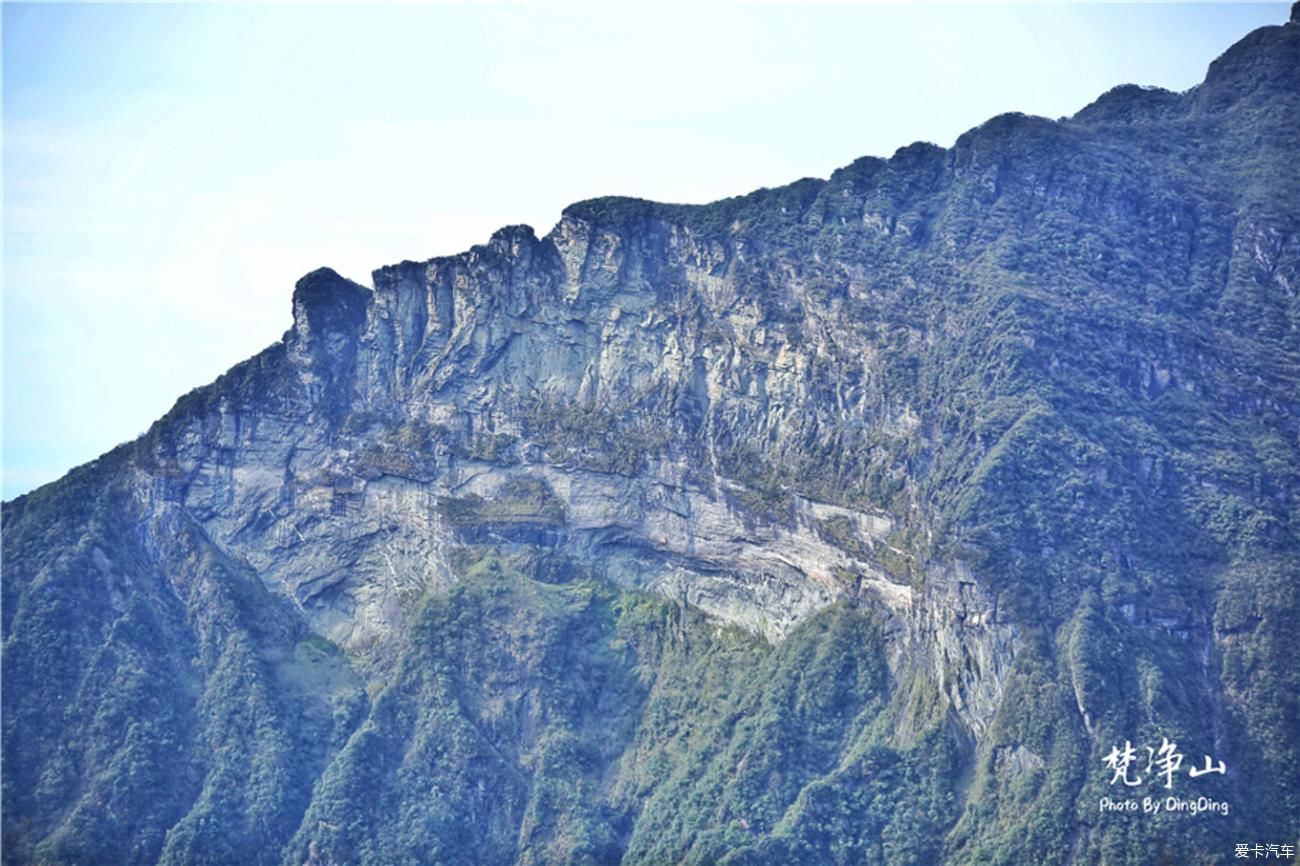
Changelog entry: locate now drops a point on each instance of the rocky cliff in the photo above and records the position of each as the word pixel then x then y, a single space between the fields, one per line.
pixel 850 521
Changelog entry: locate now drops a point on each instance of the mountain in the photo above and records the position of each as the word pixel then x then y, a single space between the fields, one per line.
pixel 867 520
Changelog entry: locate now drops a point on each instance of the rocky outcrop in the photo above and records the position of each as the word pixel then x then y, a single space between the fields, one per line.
pixel 588 394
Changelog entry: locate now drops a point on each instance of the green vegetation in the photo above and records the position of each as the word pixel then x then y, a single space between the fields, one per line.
pixel 571 723
pixel 521 500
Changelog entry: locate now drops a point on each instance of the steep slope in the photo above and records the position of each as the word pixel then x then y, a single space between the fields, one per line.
pixel 852 521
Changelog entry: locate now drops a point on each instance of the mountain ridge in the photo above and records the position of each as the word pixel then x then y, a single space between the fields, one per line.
pixel 854 519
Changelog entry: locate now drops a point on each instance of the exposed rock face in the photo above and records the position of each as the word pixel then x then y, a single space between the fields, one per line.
pixel 433 413
pixel 990 451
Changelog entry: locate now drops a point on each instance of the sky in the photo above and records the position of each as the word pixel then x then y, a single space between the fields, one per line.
pixel 171 170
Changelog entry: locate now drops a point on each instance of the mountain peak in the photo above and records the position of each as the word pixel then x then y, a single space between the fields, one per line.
pixel 325 300
pixel 1263 64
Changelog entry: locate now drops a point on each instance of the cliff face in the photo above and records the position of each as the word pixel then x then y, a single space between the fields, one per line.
pixel 854 520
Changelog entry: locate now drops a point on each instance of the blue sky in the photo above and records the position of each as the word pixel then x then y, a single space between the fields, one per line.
pixel 170 170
